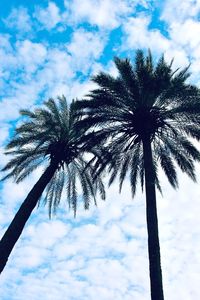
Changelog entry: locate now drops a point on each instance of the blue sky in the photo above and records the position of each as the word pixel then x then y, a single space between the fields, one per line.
pixel 51 48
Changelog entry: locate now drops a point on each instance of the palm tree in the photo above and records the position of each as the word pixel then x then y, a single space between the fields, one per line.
pixel 147 116
pixel 48 135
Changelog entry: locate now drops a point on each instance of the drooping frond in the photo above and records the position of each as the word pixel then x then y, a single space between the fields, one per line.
pixel 168 166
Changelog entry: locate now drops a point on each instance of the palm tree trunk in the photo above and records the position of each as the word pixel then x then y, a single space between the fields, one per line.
pixel 152 224
pixel 14 231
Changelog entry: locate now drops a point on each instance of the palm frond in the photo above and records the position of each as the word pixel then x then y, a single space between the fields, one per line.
pixel 168 167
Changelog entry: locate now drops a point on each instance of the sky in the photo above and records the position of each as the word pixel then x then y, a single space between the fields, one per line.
pixel 51 48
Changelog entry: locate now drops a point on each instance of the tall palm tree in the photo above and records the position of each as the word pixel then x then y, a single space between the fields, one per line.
pixel 48 135
pixel 147 115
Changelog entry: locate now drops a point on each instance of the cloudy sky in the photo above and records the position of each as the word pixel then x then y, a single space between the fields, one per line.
pixel 50 48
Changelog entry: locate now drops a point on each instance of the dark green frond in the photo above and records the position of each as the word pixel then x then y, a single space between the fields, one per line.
pixel 157 182
pixel 134 165
pixel 27 113
pixel 149 62
pixel 127 76
pixel 193 131
pixel 74 194
pixel 123 171
pixel 168 167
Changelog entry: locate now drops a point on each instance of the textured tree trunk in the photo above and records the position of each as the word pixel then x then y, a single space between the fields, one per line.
pixel 14 231
pixel 152 224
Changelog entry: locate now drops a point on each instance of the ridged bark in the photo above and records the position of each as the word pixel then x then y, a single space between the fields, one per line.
pixel 16 227
pixel 152 225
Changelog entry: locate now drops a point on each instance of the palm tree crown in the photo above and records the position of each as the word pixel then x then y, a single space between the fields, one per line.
pixel 49 135
pixel 145 101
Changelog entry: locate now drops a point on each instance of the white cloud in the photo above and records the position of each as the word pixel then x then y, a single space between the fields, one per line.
pixel 186 34
pixel 30 55
pixel 4 42
pixel 179 56
pixel 179 11
pixel 18 63
pixel 103 13
pixel 33 68
pixel 48 17
pixel 57 73
pixel 4 134
pixel 7 59
pixel 138 35
pixel 20 20
pixel 48 233
pixel 184 31
pixel 79 90
pixel 27 94
pixel 84 48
